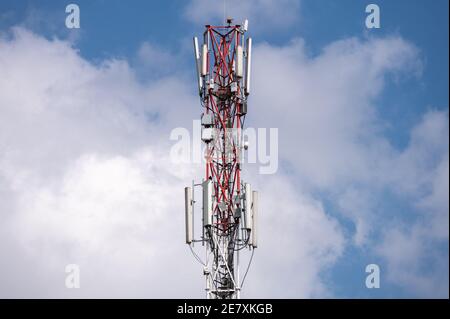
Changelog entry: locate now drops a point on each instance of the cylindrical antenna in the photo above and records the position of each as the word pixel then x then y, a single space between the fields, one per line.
pixel 248 66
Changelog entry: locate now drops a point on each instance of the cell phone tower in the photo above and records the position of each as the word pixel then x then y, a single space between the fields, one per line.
pixel 229 207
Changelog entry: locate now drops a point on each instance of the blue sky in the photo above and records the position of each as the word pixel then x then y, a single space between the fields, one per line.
pixel 111 29
pixel 116 30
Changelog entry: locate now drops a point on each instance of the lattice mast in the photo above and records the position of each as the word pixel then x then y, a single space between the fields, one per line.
pixel 229 207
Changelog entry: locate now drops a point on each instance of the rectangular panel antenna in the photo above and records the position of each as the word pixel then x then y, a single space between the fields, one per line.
pixel 197 65
pixel 188 213
pixel 207 202
pixel 255 219
pixel 248 66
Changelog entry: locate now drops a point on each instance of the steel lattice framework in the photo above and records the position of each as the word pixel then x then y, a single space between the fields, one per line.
pixel 223 164
pixel 223 69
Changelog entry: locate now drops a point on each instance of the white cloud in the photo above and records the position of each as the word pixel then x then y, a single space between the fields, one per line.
pixel 263 15
pixel 85 178
pixel 331 137
pixel 324 106
pixel 114 216
pixel 84 173
pixel 155 62
pixel 416 255
pixel 436 202
pixel 297 239
pixel 413 262
pixel 356 205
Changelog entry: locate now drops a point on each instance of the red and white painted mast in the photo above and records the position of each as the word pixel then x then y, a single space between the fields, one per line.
pixel 229 207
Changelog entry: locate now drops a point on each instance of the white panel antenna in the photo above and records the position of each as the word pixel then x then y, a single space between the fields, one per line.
pixel 248 66
pixel 188 214
pixel 248 220
pixel 197 65
pixel 204 60
pixel 239 61
pixel 255 219
pixel 207 202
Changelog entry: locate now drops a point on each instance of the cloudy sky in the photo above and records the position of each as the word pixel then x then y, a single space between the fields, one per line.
pixel 86 175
